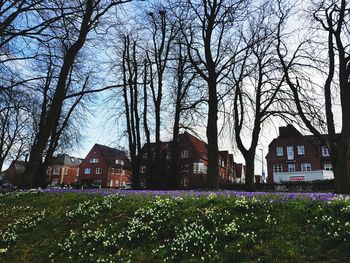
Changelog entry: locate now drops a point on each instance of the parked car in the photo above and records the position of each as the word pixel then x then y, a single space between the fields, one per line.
pixel 127 186
pixel 7 187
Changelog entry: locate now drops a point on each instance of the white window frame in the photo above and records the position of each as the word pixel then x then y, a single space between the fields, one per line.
pixel 325 151
pixel 121 162
pixel 98 170
pixel 143 169
pixel 279 151
pixel 87 171
pixel 291 167
pixel 184 154
pixel 56 170
pixel 185 182
pixel 196 168
pixel 290 152
pixel 328 167
pixel 94 160
pixel 277 168
pixel 305 167
pixel 65 171
pixel 301 149
pixel 185 167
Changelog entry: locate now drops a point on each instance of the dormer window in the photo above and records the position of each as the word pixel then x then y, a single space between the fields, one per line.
pixel 94 160
pixel 279 151
pixel 184 154
pixel 121 162
pixel 325 151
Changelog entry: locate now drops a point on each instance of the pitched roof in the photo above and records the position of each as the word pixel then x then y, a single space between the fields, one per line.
pixel 65 159
pixel 199 146
pixel 110 155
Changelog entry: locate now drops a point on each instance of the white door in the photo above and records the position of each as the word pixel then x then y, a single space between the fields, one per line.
pixel 290 153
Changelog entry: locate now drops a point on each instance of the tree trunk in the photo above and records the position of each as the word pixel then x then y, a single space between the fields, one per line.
pixel 249 173
pixel 212 137
pixel 53 114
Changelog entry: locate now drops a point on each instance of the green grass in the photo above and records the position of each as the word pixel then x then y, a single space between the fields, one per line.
pixel 80 227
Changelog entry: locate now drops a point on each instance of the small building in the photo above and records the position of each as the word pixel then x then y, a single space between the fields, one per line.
pixel 105 167
pixel 239 173
pixel 63 169
pixel 293 156
pixel 14 174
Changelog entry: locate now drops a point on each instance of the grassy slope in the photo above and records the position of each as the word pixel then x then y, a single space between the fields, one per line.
pixel 283 232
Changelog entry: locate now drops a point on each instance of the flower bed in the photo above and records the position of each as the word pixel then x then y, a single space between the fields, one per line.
pixel 174 226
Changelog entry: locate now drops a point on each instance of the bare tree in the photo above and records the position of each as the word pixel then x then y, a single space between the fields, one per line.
pixel 163 32
pixel 208 29
pixel 333 18
pixel 257 83
pixel 72 31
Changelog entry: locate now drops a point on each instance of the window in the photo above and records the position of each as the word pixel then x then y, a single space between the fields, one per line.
pixel 65 171
pixel 301 149
pixel 144 156
pixel 121 162
pixel 98 170
pixel 72 160
pixel 94 160
pixel 56 170
pixel 117 171
pixel 290 153
pixel 185 167
pixel 291 167
pixel 185 182
pixel 48 171
pixel 142 169
pixel 111 183
pixel 167 155
pixel 279 151
pixel 325 151
pixel 196 168
pixel 87 171
pixel 142 182
pixel 328 167
pixel 184 154
pixel 305 167
pixel 277 168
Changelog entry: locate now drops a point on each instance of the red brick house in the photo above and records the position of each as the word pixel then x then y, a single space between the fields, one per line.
pixel 227 176
pixel 293 156
pixel 63 169
pixel 193 162
pixel 105 167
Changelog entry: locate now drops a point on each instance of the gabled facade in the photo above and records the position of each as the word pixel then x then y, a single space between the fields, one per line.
pixel 192 161
pixel 14 174
pixel 105 167
pixel 63 169
pixel 296 157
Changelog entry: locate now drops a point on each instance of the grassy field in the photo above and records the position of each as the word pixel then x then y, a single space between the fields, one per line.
pixel 131 226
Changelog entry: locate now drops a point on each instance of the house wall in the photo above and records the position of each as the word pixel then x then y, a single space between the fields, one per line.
pixel 93 176
pixel 312 154
pixel 109 177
